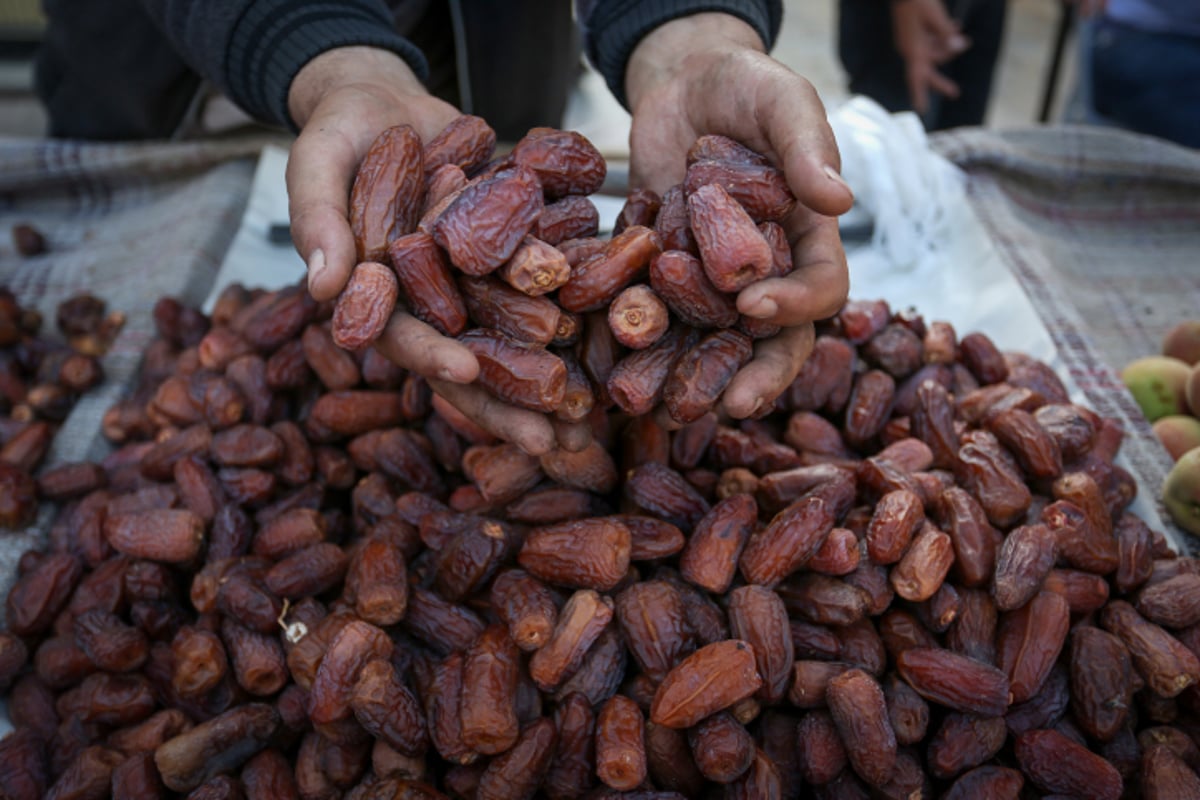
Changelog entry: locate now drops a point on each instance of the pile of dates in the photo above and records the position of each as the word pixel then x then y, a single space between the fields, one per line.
pixel 508 261
pixel 41 378
pixel 301 574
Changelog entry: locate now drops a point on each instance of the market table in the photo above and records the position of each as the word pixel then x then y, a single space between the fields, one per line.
pixel 1100 229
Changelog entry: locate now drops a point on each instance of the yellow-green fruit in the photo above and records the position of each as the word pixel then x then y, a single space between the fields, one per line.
pixel 1181 491
pixel 1183 341
pixel 1178 433
pixel 1192 392
pixel 1158 383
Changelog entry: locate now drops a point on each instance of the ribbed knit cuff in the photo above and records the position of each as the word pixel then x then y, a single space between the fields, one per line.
pixel 274 39
pixel 614 27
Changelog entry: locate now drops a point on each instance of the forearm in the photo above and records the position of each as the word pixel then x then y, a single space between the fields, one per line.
pixel 614 28
pixel 666 50
pixel 253 49
pixel 368 67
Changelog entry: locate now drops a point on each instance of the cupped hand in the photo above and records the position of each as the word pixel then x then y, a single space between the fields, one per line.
pixel 707 74
pixel 341 101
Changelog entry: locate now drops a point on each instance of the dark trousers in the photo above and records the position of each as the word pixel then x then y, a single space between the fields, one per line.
pixel 1147 82
pixel 875 69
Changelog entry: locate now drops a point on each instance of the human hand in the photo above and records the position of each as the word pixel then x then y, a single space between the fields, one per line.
pixel 341 101
pixel 926 37
pixel 708 74
pixel 1088 8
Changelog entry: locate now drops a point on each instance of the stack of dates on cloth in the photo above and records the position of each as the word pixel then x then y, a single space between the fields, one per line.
pixel 304 575
pixel 561 321
pixel 41 378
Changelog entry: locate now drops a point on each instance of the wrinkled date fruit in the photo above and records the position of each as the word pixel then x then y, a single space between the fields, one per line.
pixel 364 306
pixel 732 248
pixel 713 678
pixel 519 373
pixel 386 197
pixel 485 223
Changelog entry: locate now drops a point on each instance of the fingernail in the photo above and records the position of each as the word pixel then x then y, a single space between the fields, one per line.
pixel 958 43
pixel 758 404
pixel 835 176
pixel 763 309
pixel 316 266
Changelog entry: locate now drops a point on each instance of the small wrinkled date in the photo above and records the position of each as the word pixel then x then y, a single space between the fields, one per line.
pixel 364 305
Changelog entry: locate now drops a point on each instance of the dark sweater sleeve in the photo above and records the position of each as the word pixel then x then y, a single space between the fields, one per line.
pixel 252 49
pixel 612 28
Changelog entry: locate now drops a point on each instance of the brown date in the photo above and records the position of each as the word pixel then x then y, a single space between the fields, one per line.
pixel 868 407
pixel 722 748
pixel 791 537
pixel 711 679
pixel 565 162
pixel 711 555
pixel 1167 666
pixel 982 358
pixel 859 712
pixel 492 303
pixel 489 687
pixel 620 746
pixel 641 208
pixel 215 746
pixel 170 535
pixel 427 283
pixel 537 267
pixel 653 619
pixel 636 382
pixel 467 142
pixel 757 615
pixel 571 217
pixel 489 219
pixel 519 373
pixel 760 188
pixel 385 200
pixel 580 622
pixel 732 249
pixel 955 681
pixel 638 317
pixel 665 493
pixel 595 282
pixel 589 553
pixel 702 373
pixel 521 770
pixel 679 279
pixel 1056 764
pixel 1029 641
pixel 1025 558
pixel 364 306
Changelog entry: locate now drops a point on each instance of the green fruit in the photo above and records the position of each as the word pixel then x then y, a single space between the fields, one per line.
pixel 1181 491
pixel 1158 384
pixel 1178 433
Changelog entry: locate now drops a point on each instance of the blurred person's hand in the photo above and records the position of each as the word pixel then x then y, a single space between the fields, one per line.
pixel 1089 8
pixel 708 74
pixel 340 101
pixel 926 37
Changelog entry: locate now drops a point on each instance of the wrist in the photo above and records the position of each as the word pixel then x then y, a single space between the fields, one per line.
pixel 685 43
pixel 344 67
